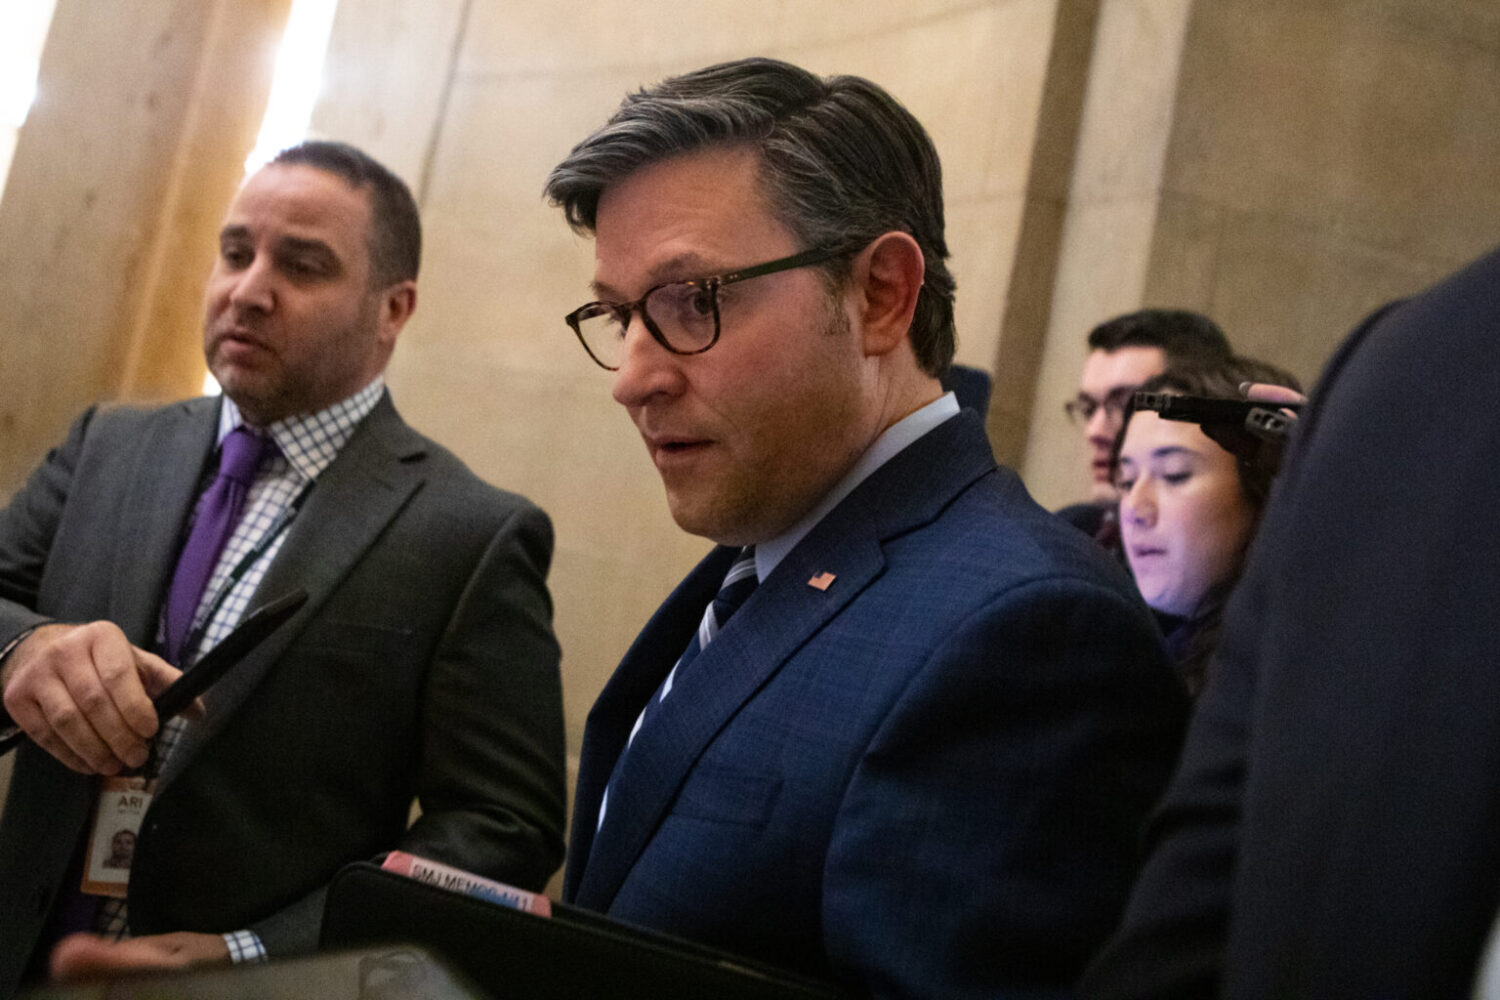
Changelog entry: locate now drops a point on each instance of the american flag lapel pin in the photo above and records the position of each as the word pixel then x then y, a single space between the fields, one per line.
pixel 821 581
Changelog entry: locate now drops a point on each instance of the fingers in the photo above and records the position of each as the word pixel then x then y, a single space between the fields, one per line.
pixel 38 700
pixel 97 704
pixel 1266 393
pixel 80 691
pixel 82 956
pixel 114 692
pixel 156 675
pixel 79 956
pixel 47 717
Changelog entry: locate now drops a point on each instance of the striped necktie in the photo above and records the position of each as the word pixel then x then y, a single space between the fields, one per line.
pixel 736 588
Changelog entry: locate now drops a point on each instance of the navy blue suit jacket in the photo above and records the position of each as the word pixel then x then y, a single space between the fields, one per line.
pixel 1335 827
pixel 925 780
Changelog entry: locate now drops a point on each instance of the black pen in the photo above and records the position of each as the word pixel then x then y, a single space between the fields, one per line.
pixel 252 630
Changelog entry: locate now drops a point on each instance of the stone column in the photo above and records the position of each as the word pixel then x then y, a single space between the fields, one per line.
pixel 145 112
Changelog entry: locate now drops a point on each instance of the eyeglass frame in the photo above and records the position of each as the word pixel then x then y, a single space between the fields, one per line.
pixel 712 283
pixel 1081 408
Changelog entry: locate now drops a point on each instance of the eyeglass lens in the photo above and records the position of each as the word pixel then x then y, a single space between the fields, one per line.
pixel 1084 407
pixel 682 313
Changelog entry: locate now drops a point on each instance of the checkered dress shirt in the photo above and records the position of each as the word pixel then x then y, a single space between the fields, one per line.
pixel 305 446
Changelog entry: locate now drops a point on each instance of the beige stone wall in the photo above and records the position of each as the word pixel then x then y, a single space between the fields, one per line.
pixel 1113 197
pixel 1312 160
pixel 1330 156
pixel 145 110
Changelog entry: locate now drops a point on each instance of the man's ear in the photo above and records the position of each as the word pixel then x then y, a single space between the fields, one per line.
pixel 397 303
pixel 888 273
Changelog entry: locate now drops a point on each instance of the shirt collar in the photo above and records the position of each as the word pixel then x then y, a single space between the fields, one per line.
pixel 311 442
pixel 896 437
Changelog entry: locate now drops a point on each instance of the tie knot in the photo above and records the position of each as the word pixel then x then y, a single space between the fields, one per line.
pixel 743 566
pixel 241 454
pixel 738 583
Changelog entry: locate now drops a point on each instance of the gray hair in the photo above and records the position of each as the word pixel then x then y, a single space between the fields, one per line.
pixel 843 162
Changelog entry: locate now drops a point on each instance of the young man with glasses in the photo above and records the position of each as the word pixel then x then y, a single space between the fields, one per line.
pixel 915 759
pixel 1123 353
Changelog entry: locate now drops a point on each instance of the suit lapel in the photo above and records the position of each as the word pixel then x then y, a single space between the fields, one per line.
pixel 641 671
pixel 164 485
pixel 353 500
pixel 779 617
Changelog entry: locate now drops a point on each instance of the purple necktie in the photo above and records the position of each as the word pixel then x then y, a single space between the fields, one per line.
pixel 218 512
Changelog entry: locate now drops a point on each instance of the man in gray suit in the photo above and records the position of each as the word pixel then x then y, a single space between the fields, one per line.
pixel 422 665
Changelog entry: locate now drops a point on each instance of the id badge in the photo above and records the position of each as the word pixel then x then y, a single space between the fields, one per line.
pixel 118 814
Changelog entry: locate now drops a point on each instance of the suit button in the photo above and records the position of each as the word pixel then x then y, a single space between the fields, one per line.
pixel 40 898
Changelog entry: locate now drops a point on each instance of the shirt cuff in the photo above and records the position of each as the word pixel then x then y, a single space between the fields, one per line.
pixel 11 646
pixel 10 733
pixel 245 946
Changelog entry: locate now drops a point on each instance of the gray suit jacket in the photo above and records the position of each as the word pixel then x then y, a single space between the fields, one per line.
pixel 423 664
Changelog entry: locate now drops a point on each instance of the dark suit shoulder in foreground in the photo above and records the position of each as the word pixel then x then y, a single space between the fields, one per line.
pixel 1332 831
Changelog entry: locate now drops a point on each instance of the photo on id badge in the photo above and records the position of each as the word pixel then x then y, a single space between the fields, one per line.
pixel 117 822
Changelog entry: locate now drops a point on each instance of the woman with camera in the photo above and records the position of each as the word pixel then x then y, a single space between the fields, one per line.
pixel 1191 495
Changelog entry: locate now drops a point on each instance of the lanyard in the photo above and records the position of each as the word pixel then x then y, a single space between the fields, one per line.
pixel 235 575
pixel 243 566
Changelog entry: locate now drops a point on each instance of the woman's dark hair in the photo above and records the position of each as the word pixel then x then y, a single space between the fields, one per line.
pixel 1221 380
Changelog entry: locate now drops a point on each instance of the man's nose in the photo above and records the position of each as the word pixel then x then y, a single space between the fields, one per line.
pixel 1102 424
pixel 646 367
pixel 253 288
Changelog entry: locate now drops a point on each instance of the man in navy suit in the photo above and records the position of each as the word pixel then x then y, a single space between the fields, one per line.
pixel 915 758
pixel 1334 830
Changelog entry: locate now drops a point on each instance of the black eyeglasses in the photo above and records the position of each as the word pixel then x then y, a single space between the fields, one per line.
pixel 1082 409
pixel 683 316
